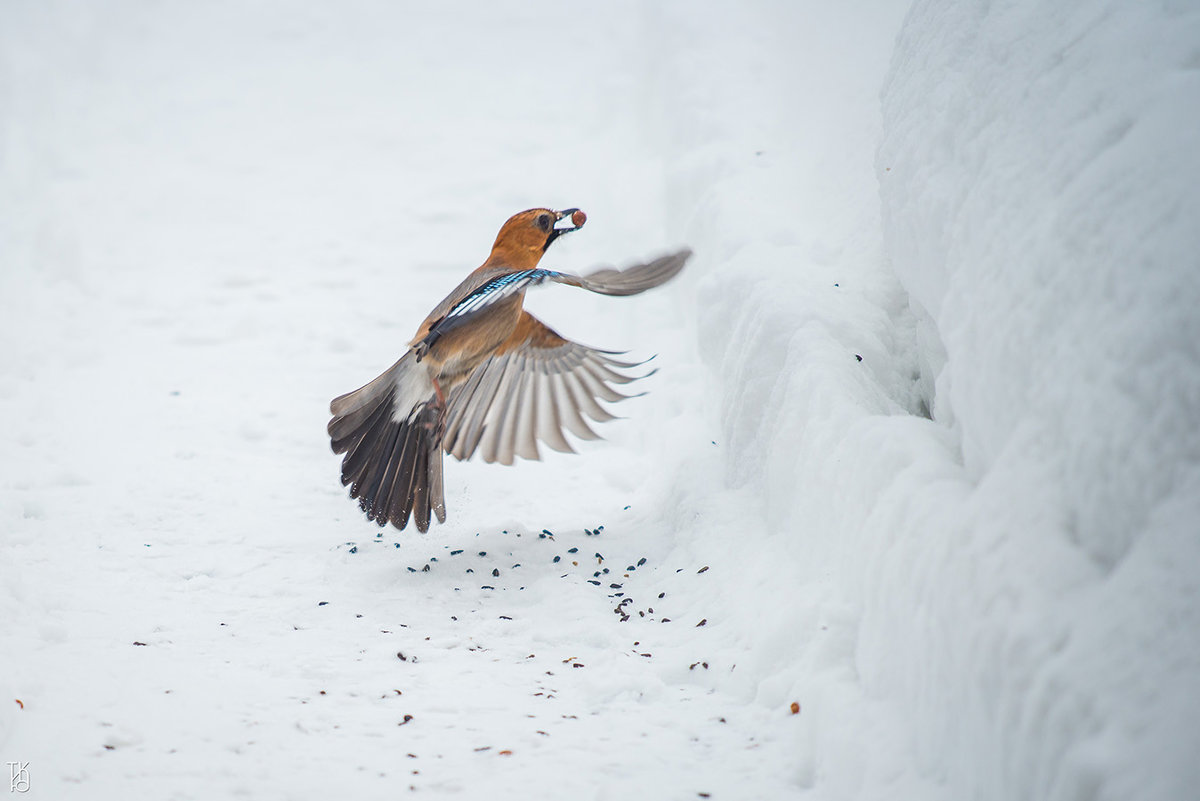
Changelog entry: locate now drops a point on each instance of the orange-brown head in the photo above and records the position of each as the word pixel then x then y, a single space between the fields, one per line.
pixel 524 238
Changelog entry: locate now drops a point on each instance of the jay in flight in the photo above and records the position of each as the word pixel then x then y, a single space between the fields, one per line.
pixel 482 374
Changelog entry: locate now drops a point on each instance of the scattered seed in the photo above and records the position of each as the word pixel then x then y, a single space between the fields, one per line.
pixel 496 572
pixel 557 558
pixel 407 718
pixel 456 553
pixel 701 570
pixel 795 708
pixel 641 561
pixel 572 550
pixel 400 655
pixel 322 603
pixel 702 622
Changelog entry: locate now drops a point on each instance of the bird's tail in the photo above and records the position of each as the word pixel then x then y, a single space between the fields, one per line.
pixel 391 432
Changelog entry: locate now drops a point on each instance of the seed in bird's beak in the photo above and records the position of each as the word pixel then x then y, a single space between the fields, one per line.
pixel 576 217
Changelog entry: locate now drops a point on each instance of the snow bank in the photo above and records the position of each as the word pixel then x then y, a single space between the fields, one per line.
pixel 1009 592
pixel 1036 171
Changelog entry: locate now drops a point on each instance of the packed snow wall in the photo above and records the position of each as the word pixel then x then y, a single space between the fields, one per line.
pixel 1036 170
pixel 1007 592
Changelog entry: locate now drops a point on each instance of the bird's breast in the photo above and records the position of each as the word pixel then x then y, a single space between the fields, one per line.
pixel 457 353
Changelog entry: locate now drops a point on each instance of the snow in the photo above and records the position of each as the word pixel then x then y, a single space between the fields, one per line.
pixel 920 456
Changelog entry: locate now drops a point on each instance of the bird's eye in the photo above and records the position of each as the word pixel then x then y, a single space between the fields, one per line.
pixel 544 222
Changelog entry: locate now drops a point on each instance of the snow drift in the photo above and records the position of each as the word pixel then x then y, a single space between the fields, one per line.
pixel 1016 580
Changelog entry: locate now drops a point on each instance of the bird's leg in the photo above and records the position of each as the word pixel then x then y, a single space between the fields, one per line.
pixel 438 389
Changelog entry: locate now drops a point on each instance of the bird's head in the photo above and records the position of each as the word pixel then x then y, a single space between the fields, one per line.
pixel 524 238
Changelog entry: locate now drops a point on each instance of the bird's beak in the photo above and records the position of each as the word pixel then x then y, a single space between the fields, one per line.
pixel 574 221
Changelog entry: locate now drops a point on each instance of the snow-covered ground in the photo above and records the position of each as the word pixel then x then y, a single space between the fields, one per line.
pixel 921 456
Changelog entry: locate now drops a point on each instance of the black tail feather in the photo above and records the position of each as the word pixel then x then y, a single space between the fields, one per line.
pixel 393 467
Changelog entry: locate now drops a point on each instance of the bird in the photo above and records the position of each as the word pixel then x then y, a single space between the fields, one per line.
pixel 483 375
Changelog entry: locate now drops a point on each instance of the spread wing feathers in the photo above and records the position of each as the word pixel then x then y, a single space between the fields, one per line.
pixel 631 280
pixel 393 461
pixel 537 384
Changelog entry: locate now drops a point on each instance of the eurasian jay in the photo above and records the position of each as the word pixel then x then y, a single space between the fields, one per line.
pixel 482 374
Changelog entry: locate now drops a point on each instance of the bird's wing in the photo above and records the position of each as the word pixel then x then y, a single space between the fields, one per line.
pixel 475 296
pixel 631 280
pixel 536 384
pixel 475 301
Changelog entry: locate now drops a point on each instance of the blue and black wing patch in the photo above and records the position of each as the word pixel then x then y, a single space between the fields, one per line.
pixel 495 290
